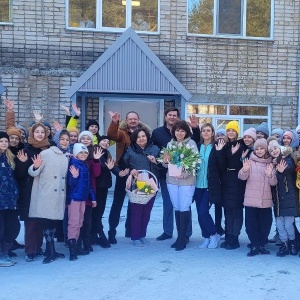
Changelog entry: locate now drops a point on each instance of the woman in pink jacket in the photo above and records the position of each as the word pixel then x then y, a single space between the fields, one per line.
pixel 260 175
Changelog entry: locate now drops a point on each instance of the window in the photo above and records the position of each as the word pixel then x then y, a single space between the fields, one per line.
pixel 232 18
pixel 219 115
pixel 5 11
pixel 114 15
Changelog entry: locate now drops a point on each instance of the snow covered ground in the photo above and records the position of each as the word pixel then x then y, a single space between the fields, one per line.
pixel 155 271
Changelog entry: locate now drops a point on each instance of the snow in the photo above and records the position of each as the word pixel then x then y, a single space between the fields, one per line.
pixel 155 271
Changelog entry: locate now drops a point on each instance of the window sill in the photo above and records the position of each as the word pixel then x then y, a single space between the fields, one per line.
pixel 6 24
pixel 110 30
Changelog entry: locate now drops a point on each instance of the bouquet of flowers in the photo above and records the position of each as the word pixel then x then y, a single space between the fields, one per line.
pixel 182 155
pixel 144 188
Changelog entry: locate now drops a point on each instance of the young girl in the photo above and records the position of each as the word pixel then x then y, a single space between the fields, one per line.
pixel 48 193
pixel 9 223
pixel 285 197
pixel 80 188
pixel 181 188
pixel 259 173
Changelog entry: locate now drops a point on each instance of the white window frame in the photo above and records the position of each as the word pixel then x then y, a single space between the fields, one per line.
pixel 10 14
pixel 111 29
pixel 244 23
pixel 228 116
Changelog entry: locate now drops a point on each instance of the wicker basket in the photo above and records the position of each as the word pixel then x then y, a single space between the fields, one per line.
pixel 141 198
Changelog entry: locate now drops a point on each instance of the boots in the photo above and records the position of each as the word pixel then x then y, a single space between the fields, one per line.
pixel 228 238
pixel 102 241
pixel 72 247
pixel 177 219
pixel 78 247
pixel 283 250
pixel 293 247
pixel 233 243
pixel 87 245
pixel 184 223
pixel 50 253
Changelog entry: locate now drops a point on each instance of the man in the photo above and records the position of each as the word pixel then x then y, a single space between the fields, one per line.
pixel 120 131
pixel 160 137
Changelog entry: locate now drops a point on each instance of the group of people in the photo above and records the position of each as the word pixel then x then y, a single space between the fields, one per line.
pixel 58 184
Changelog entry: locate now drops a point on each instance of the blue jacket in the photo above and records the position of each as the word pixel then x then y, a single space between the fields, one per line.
pixel 80 188
pixel 9 190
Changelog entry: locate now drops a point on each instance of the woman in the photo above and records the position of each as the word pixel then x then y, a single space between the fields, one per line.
pixel 181 188
pixel 37 141
pixel 208 187
pixel 141 155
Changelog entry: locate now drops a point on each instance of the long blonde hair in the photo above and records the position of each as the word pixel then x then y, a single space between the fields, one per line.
pixel 10 158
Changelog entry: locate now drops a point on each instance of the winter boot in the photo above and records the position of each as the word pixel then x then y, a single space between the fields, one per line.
pixel 283 250
pixel 87 245
pixel 78 247
pixel 50 253
pixel 293 247
pixel 228 238
pixel 73 249
pixel 254 251
pixel 185 217
pixel 177 219
pixel 102 241
pixel 233 243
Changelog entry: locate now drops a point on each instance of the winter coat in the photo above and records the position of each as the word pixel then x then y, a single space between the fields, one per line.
pixel 121 135
pixel 136 158
pixel 9 191
pixel 24 180
pixel 80 188
pixel 258 187
pixel 285 193
pixel 48 194
pixel 95 170
pixel 230 164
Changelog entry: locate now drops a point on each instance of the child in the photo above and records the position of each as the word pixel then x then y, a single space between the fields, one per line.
pixel 80 188
pixel 259 173
pixel 285 197
pixel 9 223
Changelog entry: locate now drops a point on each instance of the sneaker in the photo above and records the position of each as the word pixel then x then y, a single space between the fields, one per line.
pixel 6 261
pixel 137 243
pixel 144 241
pixel 30 257
pixel 214 241
pixel 163 237
pixel 204 244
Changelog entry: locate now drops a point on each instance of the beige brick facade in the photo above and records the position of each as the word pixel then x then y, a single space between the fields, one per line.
pixel 40 59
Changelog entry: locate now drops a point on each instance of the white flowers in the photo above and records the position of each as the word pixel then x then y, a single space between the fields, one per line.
pixel 181 155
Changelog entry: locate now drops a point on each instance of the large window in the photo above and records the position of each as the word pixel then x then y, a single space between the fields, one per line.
pixel 113 15
pixel 231 18
pixel 219 115
pixel 5 11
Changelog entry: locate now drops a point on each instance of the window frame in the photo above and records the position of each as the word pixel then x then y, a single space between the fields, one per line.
pixel 243 24
pixel 10 16
pixel 98 22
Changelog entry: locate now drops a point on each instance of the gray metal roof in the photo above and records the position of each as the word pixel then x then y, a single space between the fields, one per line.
pixel 129 66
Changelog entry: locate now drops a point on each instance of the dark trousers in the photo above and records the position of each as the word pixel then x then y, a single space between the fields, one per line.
pixel 218 217
pixel 33 235
pixel 258 223
pixel 9 226
pixel 98 211
pixel 115 211
pixel 233 220
pixel 140 216
pixel 168 211
pixel 85 231
pixel 205 220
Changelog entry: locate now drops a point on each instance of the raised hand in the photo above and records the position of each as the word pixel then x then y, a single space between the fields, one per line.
pixel 66 110
pixel 37 116
pixel 193 121
pixel 57 126
pixel 235 148
pixel 269 170
pixel 124 172
pixel 22 156
pixel 281 166
pixel 246 165
pixel 98 153
pixel 245 153
pixel 110 163
pixel 76 109
pixel 220 145
pixel 115 117
pixel 37 161
pixel 9 104
pixel 74 171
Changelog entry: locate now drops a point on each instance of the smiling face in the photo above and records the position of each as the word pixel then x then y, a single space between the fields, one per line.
pixel 180 135
pixel 260 152
pixel 286 140
pixel 73 137
pixel 93 129
pixel 277 137
pixel 142 139
pixel 14 140
pixel 85 140
pixel 171 118
pixel 274 152
pixel 132 121
pixel 64 141
pixel 260 135
pixel 39 134
pixel 231 134
pixel 104 144
pixel 3 144
pixel 82 155
pixel 248 140
pixel 207 134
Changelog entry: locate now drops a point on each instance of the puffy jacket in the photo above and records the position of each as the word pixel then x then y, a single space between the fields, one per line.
pixel 258 187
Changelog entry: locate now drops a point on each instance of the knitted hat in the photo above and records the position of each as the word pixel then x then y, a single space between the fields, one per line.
pixel 221 132
pixel 90 123
pixel 289 134
pixel 251 132
pixel 261 143
pixel 263 127
pixel 233 125
pixel 73 129
pixel 22 129
pixel 14 131
pixel 85 132
pixel 278 131
pixel 3 134
pixel 272 144
pixel 78 147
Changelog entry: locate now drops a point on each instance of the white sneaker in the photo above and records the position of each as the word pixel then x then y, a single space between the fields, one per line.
pixel 204 244
pixel 6 261
pixel 137 243
pixel 144 241
pixel 214 241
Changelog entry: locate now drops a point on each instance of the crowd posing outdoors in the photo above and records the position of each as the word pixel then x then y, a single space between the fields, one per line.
pixel 58 182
